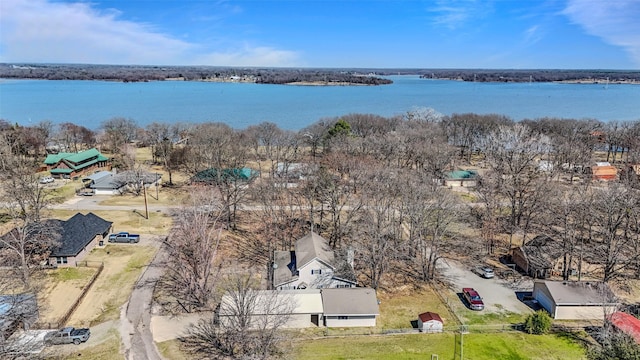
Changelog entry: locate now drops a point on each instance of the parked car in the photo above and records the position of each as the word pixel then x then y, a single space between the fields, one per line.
pixel 46 180
pixel 487 272
pixel 85 192
pixel 473 299
pixel 124 237
pixel 68 335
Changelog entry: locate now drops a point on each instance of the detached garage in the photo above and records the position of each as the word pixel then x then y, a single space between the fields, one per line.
pixel 350 307
pixel 575 300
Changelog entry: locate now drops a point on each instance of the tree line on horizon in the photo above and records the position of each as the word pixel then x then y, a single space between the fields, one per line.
pixel 134 73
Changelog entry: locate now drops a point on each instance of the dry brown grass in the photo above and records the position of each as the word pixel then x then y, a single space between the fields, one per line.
pixel 123 264
pixel 165 196
pixel 159 223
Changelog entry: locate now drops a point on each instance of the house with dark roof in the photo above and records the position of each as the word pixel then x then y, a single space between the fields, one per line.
pixel 79 235
pixel 312 265
pixel 67 165
pixel 540 257
pixel 575 300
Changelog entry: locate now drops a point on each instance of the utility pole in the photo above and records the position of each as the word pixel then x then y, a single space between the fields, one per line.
pixel 146 208
pixel 463 330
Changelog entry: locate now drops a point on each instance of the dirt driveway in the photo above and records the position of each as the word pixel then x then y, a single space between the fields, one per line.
pixel 498 294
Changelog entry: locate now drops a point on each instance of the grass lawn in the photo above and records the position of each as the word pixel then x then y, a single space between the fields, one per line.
pixel 171 350
pixel 166 196
pixel 123 264
pixel 65 192
pixel 157 224
pixel 399 308
pixel 61 287
pixel 447 346
pixel 107 350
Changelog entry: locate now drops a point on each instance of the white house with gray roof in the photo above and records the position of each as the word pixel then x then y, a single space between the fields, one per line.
pixel 346 307
pixel 575 300
pixel 349 307
pixel 312 265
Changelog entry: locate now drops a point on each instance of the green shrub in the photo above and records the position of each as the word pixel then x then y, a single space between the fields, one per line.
pixel 538 323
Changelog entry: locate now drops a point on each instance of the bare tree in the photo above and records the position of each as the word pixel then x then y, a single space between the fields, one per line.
pixel 192 248
pixel 247 323
pixel 74 137
pixel 118 132
pixel 510 153
pixel 378 229
pixel 23 199
pixel 430 213
pixel 613 221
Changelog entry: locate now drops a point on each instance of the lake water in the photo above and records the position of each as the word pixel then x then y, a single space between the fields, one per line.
pixel 293 107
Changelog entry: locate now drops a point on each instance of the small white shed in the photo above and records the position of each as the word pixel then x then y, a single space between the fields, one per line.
pixel 430 322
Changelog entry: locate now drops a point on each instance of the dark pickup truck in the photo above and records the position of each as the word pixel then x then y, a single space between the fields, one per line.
pixel 68 335
pixel 124 237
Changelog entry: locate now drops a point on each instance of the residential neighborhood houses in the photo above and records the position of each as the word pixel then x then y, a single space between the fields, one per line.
pixel 359 246
pixel 312 265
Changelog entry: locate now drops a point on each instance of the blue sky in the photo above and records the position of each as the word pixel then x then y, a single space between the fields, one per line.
pixel 577 34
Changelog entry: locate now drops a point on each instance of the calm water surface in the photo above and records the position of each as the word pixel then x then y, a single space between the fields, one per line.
pixel 294 107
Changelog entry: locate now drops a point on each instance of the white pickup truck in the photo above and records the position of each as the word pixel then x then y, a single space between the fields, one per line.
pixel 68 335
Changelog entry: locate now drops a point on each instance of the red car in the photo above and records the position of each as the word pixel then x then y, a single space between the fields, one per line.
pixel 473 298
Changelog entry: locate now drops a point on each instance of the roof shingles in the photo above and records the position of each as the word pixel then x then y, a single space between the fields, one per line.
pixel 77 233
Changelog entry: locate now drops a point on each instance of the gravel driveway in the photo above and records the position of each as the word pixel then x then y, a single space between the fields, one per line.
pixel 498 294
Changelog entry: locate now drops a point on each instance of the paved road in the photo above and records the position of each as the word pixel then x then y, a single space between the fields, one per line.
pixel 92 203
pixel 497 294
pixel 136 322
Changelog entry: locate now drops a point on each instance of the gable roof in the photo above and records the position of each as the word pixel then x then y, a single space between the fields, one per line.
pixel 74 158
pixel 214 175
pixel 428 316
pixel 583 293
pixel 97 175
pixel 311 247
pixel 53 159
pixel 626 323
pixel 78 231
pixel 604 171
pixel 462 174
pixel 542 251
pixel 350 301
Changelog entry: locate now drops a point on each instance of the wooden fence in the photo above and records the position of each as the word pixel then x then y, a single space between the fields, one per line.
pixel 62 321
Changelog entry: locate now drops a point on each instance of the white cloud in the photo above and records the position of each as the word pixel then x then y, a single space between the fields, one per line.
pixel 616 22
pixel 532 35
pixel 251 56
pixel 43 31
pixel 456 13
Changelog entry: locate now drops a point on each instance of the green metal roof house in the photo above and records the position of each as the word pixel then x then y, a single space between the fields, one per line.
pixel 213 176
pixel 67 165
pixel 463 178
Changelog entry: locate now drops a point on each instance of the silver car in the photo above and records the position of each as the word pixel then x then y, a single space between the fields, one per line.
pixel 487 272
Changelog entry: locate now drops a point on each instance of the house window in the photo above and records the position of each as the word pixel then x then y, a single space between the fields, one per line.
pixel 343 318
pixel 316 272
pixel 61 260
